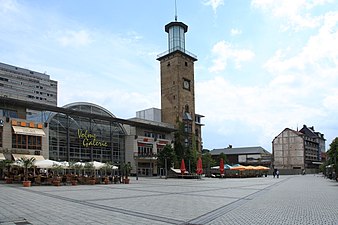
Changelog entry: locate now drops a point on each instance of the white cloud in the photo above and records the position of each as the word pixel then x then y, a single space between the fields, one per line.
pixel 225 52
pixel 231 109
pixel 8 6
pixel 235 32
pixel 296 13
pixel 317 59
pixel 214 4
pixel 301 90
pixel 75 38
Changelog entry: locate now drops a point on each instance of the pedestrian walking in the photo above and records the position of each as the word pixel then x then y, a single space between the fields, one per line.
pixel 277 173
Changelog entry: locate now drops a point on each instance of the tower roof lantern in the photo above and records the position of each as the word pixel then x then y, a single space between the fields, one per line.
pixel 180 24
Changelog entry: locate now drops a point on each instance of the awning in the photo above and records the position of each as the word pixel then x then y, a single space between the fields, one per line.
pixel 2 156
pixel 28 131
pixel 18 156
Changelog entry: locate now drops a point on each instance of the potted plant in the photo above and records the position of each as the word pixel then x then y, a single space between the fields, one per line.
pixel 107 166
pixel 74 180
pixel 26 164
pixel 90 167
pixel 78 167
pixel 127 168
pixel 57 168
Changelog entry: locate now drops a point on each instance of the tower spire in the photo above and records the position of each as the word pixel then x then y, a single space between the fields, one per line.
pixel 175 11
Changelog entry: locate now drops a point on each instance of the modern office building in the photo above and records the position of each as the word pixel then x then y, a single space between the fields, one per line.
pixel 178 85
pixel 294 151
pixel 27 85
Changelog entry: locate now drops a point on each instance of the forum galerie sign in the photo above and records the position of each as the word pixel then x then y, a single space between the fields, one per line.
pixel 89 139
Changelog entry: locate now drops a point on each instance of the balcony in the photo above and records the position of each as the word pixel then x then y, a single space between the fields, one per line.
pixel 177 49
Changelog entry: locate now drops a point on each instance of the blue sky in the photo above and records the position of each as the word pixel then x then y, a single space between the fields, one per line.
pixel 263 65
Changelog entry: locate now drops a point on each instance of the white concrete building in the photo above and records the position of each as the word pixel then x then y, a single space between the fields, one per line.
pixel 27 85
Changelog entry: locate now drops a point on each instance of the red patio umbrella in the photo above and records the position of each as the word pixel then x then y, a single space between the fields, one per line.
pixel 221 167
pixel 182 167
pixel 199 170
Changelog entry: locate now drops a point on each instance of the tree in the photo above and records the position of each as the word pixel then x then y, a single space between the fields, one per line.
pixel 224 157
pixel 89 166
pixel 208 162
pixel 26 164
pixel 5 164
pixel 167 153
pixel 179 142
pixel 126 169
pixel 183 149
pixel 78 167
pixel 57 168
pixel 333 154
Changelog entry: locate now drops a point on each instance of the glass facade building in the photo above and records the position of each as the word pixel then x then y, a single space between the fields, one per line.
pixel 75 138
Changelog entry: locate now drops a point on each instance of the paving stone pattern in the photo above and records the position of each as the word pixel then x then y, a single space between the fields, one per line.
pixel 309 199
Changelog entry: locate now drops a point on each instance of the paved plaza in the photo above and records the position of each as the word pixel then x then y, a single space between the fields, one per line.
pixel 309 199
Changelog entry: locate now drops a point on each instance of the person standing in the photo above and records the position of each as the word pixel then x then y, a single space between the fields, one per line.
pixel 277 173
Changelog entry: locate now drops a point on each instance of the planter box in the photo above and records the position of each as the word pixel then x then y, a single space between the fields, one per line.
pixel 26 183
pixel 92 182
pixel 56 183
pixel 9 180
pixel 126 180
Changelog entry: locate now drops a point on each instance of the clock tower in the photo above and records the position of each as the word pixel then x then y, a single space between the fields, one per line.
pixel 178 85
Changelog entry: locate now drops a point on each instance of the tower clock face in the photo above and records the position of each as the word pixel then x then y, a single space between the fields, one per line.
pixel 186 84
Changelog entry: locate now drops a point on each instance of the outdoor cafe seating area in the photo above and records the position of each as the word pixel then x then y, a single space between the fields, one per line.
pixel 66 179
pixel 239 171
pixel 49 172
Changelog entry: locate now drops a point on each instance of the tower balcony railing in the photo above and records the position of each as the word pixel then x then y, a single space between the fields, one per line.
pixel 177 48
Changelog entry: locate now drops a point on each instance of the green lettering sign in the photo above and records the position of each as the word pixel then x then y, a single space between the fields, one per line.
pixel 89 139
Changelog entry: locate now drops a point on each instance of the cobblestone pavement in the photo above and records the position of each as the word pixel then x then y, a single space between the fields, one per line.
pixel 309 199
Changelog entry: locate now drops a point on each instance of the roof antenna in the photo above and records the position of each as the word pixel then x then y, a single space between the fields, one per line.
pixel 175 11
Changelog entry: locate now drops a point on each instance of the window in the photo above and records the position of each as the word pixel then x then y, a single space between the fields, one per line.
pixel 154 135
pixel 187 128
pixel 10 113
pixel 26 141
pixel 161 136
pixel 145 150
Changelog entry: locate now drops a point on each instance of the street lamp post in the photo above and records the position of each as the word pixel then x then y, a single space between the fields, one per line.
pixel 136 167
pixel 166 167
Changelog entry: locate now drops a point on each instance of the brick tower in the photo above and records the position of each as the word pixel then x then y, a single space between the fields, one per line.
pixel 178 86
